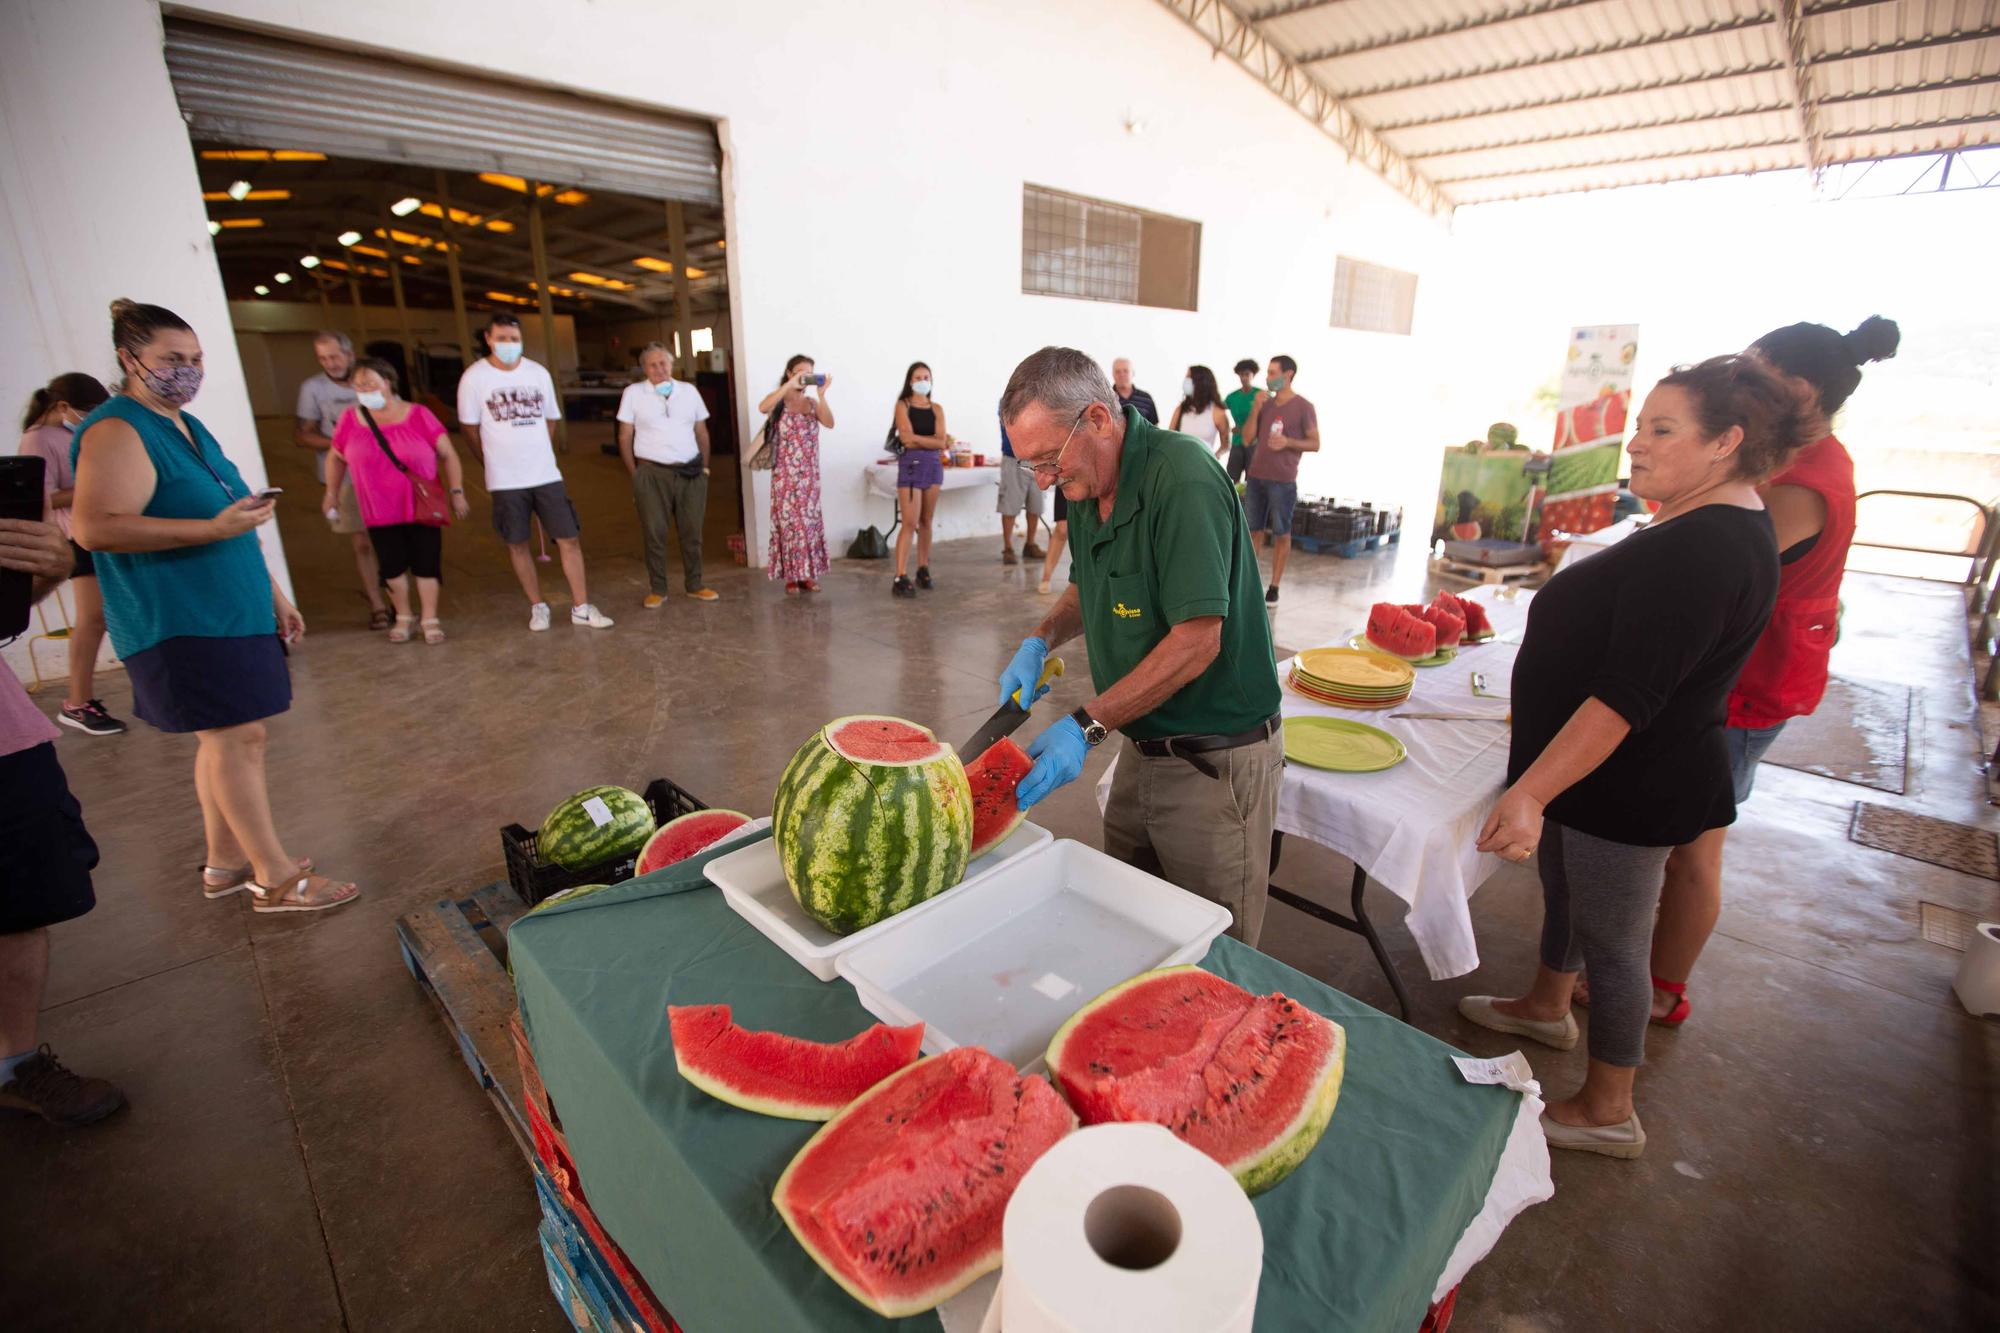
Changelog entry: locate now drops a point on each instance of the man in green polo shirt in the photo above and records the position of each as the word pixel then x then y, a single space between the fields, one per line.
pixel 1165 590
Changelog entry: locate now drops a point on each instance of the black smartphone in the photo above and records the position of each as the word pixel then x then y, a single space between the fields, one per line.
pixel 21 497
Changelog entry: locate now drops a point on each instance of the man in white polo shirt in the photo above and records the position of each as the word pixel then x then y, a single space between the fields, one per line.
pixel 663 438
pixel 507 407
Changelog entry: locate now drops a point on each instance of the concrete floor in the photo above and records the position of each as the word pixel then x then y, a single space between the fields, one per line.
pixel 305 1150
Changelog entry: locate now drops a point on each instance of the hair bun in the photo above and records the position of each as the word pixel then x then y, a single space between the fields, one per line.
pixel 122 307
pixel 1874 339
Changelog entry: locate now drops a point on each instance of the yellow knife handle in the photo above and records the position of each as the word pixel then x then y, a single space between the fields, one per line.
pixel 1052 669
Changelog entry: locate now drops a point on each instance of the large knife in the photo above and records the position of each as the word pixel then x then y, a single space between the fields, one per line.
pixel 1009 717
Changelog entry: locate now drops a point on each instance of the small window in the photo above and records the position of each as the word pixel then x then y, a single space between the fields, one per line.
pixel 703 340
pixel 1096 251
pixel 1371 297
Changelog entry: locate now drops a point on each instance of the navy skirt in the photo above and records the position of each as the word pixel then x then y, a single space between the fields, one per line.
pixel 197 684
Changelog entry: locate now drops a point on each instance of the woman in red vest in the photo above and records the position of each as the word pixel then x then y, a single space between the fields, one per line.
pixel 1812 506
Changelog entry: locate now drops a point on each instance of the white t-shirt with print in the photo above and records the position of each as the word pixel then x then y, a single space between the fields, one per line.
pixel 512 409
pixel 663 427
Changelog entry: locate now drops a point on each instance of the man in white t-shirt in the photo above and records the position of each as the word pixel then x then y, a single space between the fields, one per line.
pixel 663 438
pixel 507 407
pixel 322 400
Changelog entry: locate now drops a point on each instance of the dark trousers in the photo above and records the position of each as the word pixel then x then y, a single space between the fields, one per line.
pixel 664 495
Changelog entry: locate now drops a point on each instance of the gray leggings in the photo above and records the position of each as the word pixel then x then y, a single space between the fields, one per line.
pixel 1598 902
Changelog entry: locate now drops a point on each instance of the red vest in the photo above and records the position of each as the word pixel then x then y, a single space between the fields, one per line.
pixel 1786 673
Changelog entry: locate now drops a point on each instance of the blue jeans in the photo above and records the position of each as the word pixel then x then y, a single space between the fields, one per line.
pixel 1269 505
pixel 1746 750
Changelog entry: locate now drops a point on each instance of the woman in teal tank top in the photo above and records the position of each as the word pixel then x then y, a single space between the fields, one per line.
pixel 188 602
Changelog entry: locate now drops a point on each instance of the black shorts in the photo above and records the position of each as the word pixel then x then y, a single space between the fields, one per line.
pixel 85 567
pixel 549 502
pixel 45 876
pixel 1062 506
pixel 409 548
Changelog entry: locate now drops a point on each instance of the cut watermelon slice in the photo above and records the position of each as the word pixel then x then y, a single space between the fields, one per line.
pixel 789 1077
pixel 678 839
pixel 1395 630
pixel 1478 629
pixel 993 777
pixel 1450 624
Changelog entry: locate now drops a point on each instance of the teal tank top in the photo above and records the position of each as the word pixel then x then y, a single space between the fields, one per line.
pixel 220 590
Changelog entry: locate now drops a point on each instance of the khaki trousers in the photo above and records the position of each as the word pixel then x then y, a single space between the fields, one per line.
pixel 1211 836
pixel 664 495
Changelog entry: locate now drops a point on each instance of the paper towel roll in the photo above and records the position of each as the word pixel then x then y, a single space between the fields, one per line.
pixel 1125 1229
pixel 1978 979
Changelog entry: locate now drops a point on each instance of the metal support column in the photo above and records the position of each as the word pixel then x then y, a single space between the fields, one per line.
pixel 360 310
pixel 408 340
pixel 451 267
pixel 683 290
pixel 539 252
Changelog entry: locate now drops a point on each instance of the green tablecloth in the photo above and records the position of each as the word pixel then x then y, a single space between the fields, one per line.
pixel 1356 1238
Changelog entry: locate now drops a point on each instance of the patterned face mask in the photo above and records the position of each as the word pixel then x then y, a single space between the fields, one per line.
pixel 176 384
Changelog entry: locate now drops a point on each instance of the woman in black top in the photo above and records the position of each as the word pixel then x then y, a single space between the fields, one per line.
pixel 1620 694
pixel 919 474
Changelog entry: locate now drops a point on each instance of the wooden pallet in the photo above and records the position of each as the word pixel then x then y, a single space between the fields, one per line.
pixel 1447 568
pixel 457 951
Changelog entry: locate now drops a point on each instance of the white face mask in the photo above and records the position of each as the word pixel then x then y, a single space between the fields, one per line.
pixel 374 400
pixel 1187 387
pixel 509 353
pixel 922 387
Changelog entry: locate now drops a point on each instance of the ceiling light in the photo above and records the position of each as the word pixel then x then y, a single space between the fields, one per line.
pixel 402 208
pixel 281 277
pixel 348 237
pixel 231 224
pixel 213 226
pixel 309 261
pixel 261 290
pixel 238 189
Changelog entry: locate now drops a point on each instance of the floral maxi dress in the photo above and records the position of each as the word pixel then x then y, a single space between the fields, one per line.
pixel 798 530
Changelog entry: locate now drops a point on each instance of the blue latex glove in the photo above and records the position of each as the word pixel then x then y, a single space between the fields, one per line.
pixel 1058 754
pixel 1025 672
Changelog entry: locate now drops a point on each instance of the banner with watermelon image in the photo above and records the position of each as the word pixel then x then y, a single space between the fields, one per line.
pixel 1592 409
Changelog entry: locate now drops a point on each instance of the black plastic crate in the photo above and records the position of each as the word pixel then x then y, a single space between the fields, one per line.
pixel 535 880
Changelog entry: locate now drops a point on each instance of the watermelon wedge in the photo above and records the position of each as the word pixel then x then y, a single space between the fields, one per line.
pixel 1478 629
pixel 1450 624
pixel 1395 630
pixel 993 776
pixel 900 1197
pixel 1251 1080
pixel 789 1077
pixel 678 839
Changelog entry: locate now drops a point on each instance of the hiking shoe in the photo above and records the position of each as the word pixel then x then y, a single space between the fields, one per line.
pixel 591 616
pixel 924 577
pixel 538 616
pixel 654 601
pixel 91 719
pixel 706 595
pixel 41 1086
pixel 1033 552
pixel 1271 595
pixel 1007 556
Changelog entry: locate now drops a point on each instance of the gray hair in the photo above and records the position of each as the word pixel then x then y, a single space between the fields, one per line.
pixel 656 346
pixel 1061 379
pixel 337 338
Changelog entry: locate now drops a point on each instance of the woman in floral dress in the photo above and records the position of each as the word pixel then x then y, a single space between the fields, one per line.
pixel 792 425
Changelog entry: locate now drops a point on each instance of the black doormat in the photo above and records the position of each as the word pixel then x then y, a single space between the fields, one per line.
pixel 1955 846
pixel 1860 733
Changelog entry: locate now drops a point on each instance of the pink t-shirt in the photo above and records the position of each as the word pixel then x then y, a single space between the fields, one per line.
pixel 22 725
pixel 384 492
pixel 51 445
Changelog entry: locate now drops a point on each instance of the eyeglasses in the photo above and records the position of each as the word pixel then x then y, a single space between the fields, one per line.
pixel 1053 468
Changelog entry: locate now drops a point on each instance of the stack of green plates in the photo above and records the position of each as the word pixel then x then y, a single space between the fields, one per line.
pixel 1352 677
pixel 1340 745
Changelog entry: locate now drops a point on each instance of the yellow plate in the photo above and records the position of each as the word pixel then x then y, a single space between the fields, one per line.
pixel 1340 745
pixel 1438 658
pixel 1358 668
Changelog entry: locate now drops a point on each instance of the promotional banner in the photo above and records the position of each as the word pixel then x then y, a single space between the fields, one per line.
pixel 1592 410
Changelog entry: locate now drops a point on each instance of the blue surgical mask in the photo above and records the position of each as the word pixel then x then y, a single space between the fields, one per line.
pixel 508 353
pixel 1275 383
pixel 665 388
pixel 1187 387
pixel 373 400
pixel 922 387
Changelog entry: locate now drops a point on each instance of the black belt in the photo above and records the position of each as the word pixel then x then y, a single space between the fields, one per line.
pixel 1191 748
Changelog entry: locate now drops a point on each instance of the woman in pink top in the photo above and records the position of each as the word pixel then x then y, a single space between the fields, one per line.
pixel 52 418
pixel 421 448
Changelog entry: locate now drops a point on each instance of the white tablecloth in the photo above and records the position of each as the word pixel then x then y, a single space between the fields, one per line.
pixel 1590 543
pixel 882 478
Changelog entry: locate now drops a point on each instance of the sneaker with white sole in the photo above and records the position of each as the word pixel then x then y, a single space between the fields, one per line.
pixel 91 719
pixel 538 616
pixel 1561 1034
pixel 1625 1139
pixel 591 616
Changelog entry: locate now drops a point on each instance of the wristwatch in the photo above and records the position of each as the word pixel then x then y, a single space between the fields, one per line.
pixel 1094 731
pixel 458 490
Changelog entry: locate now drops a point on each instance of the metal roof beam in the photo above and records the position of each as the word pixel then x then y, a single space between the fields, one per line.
pixel 1445 28
pixel 1798 66
pixel 1229 32
pixel 1427 122
pixel 1915 44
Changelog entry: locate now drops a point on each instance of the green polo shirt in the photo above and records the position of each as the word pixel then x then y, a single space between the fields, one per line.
pixel 1239 403
pixel 1175 547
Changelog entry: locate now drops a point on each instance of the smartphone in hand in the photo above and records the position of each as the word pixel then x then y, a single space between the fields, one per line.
pixel 269 493
pixel 21 497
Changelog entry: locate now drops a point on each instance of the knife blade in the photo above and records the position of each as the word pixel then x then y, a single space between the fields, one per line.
pixel 1008 717
pixel 1455 717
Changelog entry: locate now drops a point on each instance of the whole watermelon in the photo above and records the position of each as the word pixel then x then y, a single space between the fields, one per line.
pixel 872 815
pixel 597 824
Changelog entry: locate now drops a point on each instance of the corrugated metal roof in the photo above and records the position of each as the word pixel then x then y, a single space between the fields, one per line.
pixel 1481 100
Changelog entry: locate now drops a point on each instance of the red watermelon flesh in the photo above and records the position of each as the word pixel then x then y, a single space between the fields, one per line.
pixel 900 1197
pixel 993 777
pixel 882 740
pixel 678 839
pixel 773 1074
pixel 1251 1080
pixel 1394 630
pixel 1477 627
pixel 1450 624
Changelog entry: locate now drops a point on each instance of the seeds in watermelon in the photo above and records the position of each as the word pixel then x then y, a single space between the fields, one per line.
pixel 872 816
pixel 597 824
pixel 992 779
pixel 1251 1080
pixel 1394 630
pixel 900 1197
pixel 678 839
pixel 1450 625
pixel 773 1074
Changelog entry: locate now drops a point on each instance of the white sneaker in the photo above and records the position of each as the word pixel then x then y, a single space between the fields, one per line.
pixel 538 616
pixel 591 616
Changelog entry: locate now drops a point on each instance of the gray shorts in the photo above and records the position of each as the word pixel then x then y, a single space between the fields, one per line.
pixel 549 502
pixel 1018 492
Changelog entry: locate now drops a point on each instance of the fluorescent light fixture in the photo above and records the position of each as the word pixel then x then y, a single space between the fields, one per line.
pixel 238 189
pixel 281 278
pixel 402 208
pixel 261 290
pixel 214 227
pixel 348 237
pixel 309 261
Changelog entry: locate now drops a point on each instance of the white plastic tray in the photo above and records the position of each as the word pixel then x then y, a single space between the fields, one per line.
pixel 1005 963
pixel 754 883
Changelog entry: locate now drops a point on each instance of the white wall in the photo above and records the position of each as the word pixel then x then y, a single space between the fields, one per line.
pixel 877 151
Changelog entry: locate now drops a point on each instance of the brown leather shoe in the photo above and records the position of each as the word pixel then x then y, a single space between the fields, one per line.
pixel 41 1086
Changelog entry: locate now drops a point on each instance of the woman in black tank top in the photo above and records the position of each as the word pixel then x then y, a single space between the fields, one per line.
pixel 919 474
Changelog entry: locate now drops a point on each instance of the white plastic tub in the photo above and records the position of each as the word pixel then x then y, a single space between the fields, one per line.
pixel 754 883
pixel 1005 963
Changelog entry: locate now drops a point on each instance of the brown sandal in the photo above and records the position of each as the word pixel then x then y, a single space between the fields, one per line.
pixel 380 620
pixel 220 881
pixel 307 893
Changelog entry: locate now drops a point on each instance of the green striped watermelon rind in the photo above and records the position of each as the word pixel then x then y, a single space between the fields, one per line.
pixel 571 839
pixel 862 841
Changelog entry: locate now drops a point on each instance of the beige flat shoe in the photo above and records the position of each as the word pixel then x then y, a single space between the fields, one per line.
pixel 307 893
pixel 1625 1139
pixel 1560 1034
pixel 220 881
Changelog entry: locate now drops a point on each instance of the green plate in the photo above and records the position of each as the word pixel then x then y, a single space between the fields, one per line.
pixel 1438 658
pixel 1340 746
